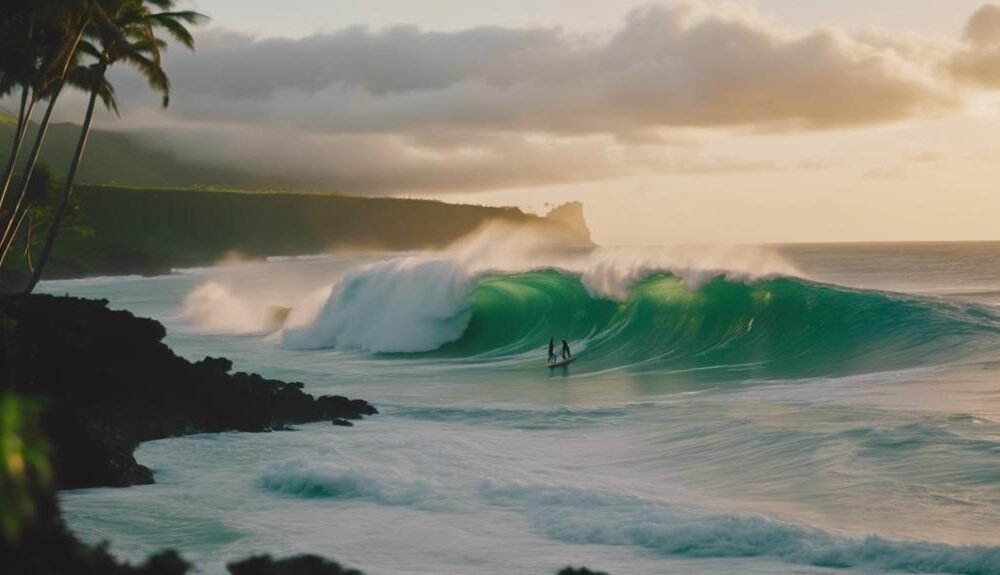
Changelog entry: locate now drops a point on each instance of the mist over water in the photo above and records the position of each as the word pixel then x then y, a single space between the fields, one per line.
pixel 732 410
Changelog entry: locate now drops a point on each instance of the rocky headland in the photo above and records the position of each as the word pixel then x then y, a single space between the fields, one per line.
pixel 109 383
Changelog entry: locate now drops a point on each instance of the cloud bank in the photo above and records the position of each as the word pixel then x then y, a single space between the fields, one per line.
pixel 979 62
pixel 403 110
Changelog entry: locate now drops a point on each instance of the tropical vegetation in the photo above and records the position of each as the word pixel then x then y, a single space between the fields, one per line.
pixel 47 45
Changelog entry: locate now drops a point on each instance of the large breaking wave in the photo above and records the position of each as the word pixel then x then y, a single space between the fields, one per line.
pixel 653 319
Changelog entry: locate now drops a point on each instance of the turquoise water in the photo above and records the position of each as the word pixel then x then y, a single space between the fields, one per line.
pixel 820 409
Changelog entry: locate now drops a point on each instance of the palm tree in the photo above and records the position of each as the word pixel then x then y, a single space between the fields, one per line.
pixel 15 71
pixel 40 45
pixel 26 36
pixel 129 37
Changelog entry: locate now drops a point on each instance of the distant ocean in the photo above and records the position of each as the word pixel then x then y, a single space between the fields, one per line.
pixel 788 409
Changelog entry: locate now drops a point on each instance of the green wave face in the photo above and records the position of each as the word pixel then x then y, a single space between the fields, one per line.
pixel 518 313
pixel 774 328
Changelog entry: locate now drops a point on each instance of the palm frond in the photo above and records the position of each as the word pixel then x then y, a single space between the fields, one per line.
pixel 87 48
pixel 162 4
pixel 155 76
pixel 174 24
pixel 106 92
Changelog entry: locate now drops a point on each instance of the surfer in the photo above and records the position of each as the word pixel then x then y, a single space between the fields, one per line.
pixel 552 349
pixel 565 350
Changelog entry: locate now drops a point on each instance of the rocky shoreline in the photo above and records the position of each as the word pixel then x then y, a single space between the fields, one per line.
pixel 106 382
pixel 110 383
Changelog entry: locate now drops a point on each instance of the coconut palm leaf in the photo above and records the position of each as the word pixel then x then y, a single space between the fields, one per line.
pixel 125 33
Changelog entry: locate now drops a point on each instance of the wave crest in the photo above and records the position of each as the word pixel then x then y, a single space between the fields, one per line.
pixel 309 480
pixel 767 327
pixel 403 305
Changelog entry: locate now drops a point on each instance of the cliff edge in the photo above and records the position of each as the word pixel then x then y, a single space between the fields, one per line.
pixel 570 215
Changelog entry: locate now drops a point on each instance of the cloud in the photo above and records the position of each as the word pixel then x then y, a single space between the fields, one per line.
pixel 979 62
pixel 983 28
pixel 676 65
pixel 403 109
pixel 390 163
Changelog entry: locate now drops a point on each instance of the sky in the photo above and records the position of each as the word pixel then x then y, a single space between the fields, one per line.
pixel 674 121
pixel 297 18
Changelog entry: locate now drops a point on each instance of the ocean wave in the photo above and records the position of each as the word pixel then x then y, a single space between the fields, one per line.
pixel 514 418
pixel 767 327
pixel 311 480
pixel 582 516
pixel 403 305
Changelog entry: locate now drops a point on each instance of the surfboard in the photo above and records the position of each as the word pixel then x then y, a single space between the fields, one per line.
pixel 562 363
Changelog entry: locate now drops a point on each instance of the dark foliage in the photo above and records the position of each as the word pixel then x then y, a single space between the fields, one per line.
pixel 150 231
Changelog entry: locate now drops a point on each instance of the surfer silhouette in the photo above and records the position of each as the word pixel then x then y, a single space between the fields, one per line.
pixel 552 349
pixel 565 350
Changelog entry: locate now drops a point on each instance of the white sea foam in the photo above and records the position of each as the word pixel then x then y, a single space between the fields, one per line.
pixel 306 479
pixel 611 272
pixel 643 490
pixel 582 516
pixel 403 305
pixel 575 514
pixel 420 302
pixel 215 307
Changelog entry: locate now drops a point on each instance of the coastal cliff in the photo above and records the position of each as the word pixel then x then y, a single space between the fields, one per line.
pixel 151 231
pixel 570 216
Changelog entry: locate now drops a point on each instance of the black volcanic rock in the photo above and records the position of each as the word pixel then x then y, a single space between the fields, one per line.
pixel 298 565
pixel 110 383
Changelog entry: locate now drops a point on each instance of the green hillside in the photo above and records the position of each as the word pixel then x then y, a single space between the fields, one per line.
pixel 153 230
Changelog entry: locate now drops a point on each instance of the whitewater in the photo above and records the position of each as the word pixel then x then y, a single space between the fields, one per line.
pixel 812 409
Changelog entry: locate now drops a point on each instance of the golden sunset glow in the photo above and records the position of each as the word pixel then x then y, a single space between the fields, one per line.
pixel 673 121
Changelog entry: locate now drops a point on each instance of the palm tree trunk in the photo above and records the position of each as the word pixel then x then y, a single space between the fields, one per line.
pixel 13 217
pixel 50 240
pixel 23 121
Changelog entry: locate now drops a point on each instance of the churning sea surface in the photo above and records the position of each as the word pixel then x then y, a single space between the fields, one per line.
pixel 798 409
